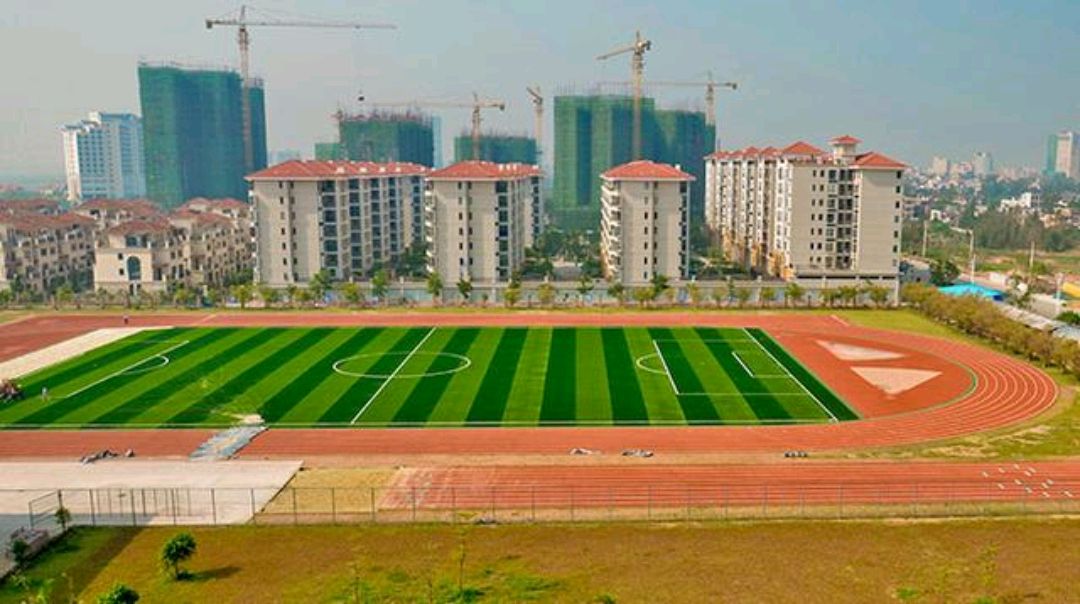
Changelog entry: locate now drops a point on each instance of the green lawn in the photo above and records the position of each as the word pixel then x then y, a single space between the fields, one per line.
pixel 428 376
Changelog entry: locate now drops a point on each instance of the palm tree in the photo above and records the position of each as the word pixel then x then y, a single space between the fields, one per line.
pixel 435 287
pixel 794 294
pixel 767 296
pixel 464 287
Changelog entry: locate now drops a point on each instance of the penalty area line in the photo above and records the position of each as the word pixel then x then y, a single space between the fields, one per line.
pixel 129 368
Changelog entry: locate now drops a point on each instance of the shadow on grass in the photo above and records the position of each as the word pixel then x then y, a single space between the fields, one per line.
pixel 223 572
pixel 81 554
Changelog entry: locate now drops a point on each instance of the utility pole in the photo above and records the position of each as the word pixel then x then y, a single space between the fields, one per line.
pixel 925 232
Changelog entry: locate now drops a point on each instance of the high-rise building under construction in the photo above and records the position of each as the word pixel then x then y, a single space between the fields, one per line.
pixel 193 132
pixel 593 133
pixel 387 137
pixel 498 148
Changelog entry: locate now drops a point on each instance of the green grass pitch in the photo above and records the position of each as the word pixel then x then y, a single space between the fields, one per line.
pixel 425 376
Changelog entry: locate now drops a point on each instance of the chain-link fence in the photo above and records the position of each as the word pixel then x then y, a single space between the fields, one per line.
pixel 579 503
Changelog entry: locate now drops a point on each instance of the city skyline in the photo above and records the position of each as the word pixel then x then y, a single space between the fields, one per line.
pixel 922 79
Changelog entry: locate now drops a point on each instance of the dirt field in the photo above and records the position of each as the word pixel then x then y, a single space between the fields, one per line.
pixel 951 561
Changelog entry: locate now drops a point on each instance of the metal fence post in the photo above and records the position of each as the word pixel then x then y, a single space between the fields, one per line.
pixel 687 519
pixel 374 518
pixel 648 503
pixel 571 504
pixel 131 500
pixel 333 505
pixel 453 505
pixel 173 495
pixel 93 508
pixel 493 517
pixel 413 504
pixel 295 518
pixel 251 501
pixel 213 506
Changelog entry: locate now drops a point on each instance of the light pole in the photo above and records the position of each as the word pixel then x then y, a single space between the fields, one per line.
pixel 971 250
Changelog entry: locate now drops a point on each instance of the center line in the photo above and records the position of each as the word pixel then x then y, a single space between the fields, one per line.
pixel 392 376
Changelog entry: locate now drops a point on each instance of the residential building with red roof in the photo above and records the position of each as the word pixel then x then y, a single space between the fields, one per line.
pixel 480 217
pixel 800 212
pixel 346 217
pixel 40 252
pixel 644 222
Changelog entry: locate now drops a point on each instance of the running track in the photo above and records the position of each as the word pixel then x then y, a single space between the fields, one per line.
pixel 1007 392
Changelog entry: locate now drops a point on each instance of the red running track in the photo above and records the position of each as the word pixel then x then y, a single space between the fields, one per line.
pixel 1007 392
pixel 720 485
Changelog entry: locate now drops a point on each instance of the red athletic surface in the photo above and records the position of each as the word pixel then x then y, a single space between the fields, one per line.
pixel 1007 392
pixel 734 484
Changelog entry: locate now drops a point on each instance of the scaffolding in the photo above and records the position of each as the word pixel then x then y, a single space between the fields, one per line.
pixel 499 148
pixel 382 136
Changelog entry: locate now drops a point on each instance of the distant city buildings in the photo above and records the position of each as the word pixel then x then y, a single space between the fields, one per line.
pixel 193 132
pixel 347 218
pixel 593 134
pixel 479 217
pixel 1064 154
pixel 982 164
pixel 103 157
pixel 644 222
pixel 799 212
pixel 940 166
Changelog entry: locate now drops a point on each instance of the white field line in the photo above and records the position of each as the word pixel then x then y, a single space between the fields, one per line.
pixel 745 368
pixel 391 376
pixel 667 369
pixel 796 380
pixel 128 368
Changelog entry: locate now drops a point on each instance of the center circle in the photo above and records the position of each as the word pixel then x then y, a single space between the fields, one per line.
pixel 341 366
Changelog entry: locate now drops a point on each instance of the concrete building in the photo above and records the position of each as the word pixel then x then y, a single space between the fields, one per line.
pixel 193 132
pixel 803 213
pixel 644 222
pixel 349 218
pixel 982 163
pixel 940 166
pixel 103 157
pixel 1067 154
pixel 42 249
pixel 203 243
pixel 480 216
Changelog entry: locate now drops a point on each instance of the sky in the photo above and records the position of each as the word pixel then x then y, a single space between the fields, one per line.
pixel 912 78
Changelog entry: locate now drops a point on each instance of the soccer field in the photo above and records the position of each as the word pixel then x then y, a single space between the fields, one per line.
pixel 428 376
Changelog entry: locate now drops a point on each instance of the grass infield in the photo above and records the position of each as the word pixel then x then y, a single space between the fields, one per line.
pixel 428 376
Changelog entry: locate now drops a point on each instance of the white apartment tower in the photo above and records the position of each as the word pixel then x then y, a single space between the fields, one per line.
pixel 1067 160
pixel 479 217
pixel 103 157
pixel 800 212
pixel 643 222
pixel 349 218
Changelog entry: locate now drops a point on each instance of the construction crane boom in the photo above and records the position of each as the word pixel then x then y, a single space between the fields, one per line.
pixel 537 99
pixel 637 72
pixel 241 22
pixel 476 105
pixel 710 85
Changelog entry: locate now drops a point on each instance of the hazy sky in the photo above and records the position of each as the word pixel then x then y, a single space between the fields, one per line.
pixel 911 78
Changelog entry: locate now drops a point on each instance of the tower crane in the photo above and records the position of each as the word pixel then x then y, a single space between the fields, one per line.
pixel 710 85
pixel 476 105
pixel 637 73
pixel 242 22
pixel 538 106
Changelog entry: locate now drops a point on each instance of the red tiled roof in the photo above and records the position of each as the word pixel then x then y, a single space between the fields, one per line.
pixel 200 218
pixel 877 160
pixel 33 221
pixel 846 139
pixel 298 169
pixel 139 227
pixel 28 205
pixel 142 207
pixel 801 148
pixel 226 203
pixel 644 169
pixel 484 170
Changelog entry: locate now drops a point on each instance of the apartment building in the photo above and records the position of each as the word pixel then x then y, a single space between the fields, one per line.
pixel 40 251
pixel 204 242
pixel 103 157
pixel 1066 156
pixel 479 217
pixel 644 228
pixel 800 212
pixel 347 217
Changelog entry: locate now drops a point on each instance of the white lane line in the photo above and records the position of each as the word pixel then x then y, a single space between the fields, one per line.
pixel 795 379
pixel 129 368
pixel 745 368
pixel 667 369
pixel 391 376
